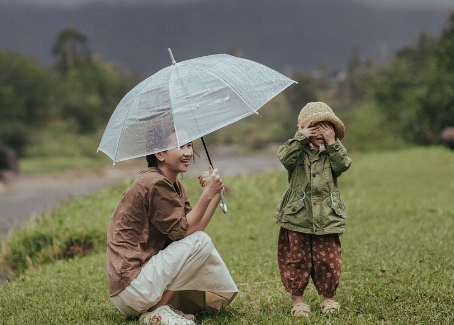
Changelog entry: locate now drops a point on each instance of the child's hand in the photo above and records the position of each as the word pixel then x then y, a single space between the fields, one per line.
pixel 307 130
pixel 327 131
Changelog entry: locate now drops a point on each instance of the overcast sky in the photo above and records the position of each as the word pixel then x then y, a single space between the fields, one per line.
pixel 448 4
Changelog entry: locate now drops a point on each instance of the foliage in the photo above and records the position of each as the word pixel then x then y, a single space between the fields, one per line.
pixel 79 91
pixel 71 46
pixel 437 103
pixel 91 92
pixel 415 91
pixel 411 96
pixel 368 130
pixel 14 135
pixel 275 122
pixel 54 149
pixel 360 81
pixel 75 229
pixel 305 91
pixel 26 98
pixel 25 89
pixel 403 86
pixel 90 89
pixel 392 272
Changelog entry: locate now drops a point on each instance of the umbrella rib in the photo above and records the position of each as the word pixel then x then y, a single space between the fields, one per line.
pixel 174 65
pixel 231 87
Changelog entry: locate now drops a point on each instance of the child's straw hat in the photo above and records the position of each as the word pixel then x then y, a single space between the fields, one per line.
pixel 318 112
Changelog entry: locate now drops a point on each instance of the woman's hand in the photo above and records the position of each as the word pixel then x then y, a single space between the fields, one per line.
pixel 211 181
pixel 213 184
pixel 204 176
pixel 201 214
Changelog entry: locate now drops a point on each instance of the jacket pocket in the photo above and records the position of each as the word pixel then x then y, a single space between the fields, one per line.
pixel 336 203
pixel 295 204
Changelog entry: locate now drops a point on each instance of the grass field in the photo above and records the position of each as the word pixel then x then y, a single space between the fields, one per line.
pixel 398 264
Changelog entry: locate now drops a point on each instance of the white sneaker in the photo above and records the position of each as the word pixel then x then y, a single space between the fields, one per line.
pixel 180 313
pixel 164 315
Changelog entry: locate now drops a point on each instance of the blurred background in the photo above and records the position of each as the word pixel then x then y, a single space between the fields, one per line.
pixel 386 67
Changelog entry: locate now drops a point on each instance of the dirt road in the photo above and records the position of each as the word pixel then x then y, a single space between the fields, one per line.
pixel 26 196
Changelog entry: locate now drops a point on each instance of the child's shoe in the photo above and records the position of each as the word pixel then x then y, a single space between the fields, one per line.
pixel 329 306
pixel 301 309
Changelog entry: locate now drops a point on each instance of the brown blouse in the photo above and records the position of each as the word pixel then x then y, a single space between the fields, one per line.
pixel 151 214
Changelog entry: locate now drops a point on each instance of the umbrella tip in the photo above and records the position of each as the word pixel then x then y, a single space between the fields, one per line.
pixel 171 57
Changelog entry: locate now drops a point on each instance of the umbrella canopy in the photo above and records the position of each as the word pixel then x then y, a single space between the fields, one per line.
pixel 188 100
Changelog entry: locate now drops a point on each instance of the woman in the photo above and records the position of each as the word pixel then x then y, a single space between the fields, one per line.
pixel 158 257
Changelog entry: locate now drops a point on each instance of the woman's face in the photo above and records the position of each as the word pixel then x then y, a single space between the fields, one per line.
pixel 177 160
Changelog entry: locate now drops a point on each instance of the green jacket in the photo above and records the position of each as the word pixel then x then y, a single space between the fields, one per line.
pixel 312 203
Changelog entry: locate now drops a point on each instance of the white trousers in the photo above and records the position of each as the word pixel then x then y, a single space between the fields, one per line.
pixel 191 266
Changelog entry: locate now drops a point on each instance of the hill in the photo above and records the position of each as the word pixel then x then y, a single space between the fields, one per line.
pixel 287 35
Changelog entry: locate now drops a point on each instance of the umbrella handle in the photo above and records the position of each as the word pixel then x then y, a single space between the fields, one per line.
pixel 223 205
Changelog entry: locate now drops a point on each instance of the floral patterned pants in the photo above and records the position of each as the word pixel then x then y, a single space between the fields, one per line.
pixel 301 256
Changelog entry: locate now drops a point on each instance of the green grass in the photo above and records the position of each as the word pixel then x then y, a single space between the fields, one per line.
pixel 56 149
pixel 398 266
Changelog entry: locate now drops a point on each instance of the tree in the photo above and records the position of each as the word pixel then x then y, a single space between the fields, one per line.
pixel 91 91
pixel 25 89
pixel 300 94
pixel 445 47
pixel 359 78
pixel 71 46
pixel 437 104
pixel 402 85
pixel 26 98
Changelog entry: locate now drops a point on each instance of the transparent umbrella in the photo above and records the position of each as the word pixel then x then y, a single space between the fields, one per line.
pixel 188 100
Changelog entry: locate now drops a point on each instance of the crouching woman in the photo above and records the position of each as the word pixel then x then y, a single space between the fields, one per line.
pixel 160 265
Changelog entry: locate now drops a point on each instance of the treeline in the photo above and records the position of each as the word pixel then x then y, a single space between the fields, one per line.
pixel 412 95
pixel 416 90
pixel 410 98
pixel 79 91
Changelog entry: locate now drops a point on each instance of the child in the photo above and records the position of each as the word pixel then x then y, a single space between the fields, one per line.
pixel 311 213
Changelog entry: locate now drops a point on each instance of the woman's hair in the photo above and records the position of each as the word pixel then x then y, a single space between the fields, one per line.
pixel 158 137
pixel 152 160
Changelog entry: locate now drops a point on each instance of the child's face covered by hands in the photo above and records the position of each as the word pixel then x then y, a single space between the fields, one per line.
pixel 319 134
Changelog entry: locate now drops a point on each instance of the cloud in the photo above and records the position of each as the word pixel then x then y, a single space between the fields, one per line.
pixel 448 4
pixel 75 3
pixel 439 4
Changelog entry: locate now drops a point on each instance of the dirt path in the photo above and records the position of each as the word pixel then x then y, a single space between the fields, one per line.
pixel 25 196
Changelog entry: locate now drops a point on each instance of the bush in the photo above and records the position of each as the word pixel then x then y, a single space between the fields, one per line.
pixel 16 136
pixel 447 137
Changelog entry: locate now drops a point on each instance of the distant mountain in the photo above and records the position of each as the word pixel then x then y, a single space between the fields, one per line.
pixel 287 35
